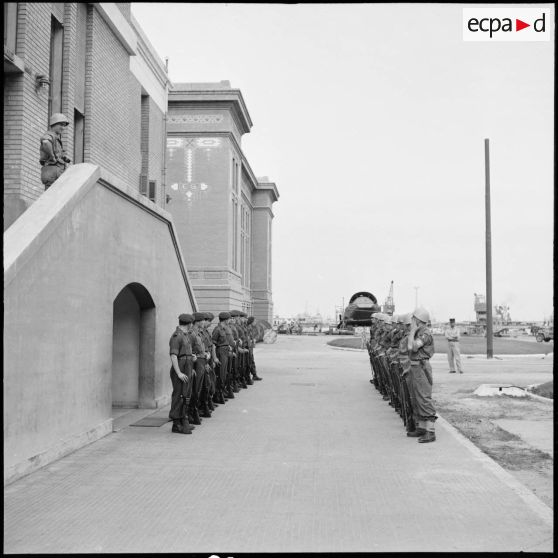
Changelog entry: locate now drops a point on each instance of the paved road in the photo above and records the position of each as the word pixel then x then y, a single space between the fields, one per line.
pixel 309 459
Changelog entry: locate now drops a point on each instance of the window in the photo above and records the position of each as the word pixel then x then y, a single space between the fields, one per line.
pixel 152 190
pixel 234 233
pixel 10 25
pixel 78 137
pixel 245 245
pixel 55 69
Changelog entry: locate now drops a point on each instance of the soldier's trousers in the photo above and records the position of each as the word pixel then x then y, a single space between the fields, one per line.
pixel 181 391
pixel 50 173
pixel 222 368
pixel 212 381
pixel 252 363
pixel 454 357
pixel 200 380
pixel 421 380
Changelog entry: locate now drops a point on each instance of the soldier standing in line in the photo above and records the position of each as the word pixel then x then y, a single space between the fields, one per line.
pixel 405 365
pixel 245 370
pixel 211 365
pixel 199 369
pixel 181 375
pixel 236 380
pixel 203 405
pixel 52 156
pixel 253 332
pixel 421 348
pixel 220 340
pixel 231 386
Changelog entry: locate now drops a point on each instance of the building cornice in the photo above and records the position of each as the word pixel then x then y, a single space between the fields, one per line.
pixel 215 98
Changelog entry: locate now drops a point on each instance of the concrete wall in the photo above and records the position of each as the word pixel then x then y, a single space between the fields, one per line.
pixel 66 259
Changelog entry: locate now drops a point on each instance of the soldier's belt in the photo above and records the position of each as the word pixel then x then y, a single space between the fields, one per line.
pixel 185 356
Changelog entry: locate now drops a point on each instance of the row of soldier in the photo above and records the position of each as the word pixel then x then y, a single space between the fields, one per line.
pixel 400 348
pixel 209 368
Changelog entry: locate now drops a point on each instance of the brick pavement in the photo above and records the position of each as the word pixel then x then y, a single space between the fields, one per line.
pixel 309 459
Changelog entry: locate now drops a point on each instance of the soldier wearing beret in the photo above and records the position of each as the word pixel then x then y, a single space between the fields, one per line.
pixel 235 380
pixel 222 342
pixel 253 333
pixel 243 333
pixel 198 349
pixel 212 361
pixel 181 375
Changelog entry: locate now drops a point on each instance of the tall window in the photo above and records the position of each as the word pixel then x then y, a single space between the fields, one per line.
pixel 245 245
pixel 234 171
pixel 234 232
pixel 78 137
pixel 55 69
pixel 10 25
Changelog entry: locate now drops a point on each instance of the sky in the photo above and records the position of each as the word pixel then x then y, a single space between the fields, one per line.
pixel 371 120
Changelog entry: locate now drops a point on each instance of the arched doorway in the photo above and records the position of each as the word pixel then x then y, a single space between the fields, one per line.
pixel 133 348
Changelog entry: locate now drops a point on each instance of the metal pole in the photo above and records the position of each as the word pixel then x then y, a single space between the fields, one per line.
pixel 489 334
pixel 416 296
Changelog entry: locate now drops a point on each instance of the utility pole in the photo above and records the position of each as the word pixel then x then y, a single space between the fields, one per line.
pixel 416 296
pixel 489 335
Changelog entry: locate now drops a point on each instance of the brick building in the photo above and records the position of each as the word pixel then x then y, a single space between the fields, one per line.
pixel 104 76
pixel 222 212
pixel 96 267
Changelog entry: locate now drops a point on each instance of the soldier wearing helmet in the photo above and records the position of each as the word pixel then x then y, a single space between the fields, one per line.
pixel 421 348
pixel 52 156
pixel 410 418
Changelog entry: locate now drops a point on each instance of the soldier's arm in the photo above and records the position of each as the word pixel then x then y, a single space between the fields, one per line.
pixel 46 142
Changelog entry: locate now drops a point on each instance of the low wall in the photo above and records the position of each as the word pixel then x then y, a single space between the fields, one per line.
pixel 65 261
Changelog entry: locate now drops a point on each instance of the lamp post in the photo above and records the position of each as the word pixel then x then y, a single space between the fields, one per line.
pixel 489 337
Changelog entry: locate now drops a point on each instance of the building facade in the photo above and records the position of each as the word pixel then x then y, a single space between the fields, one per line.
pixel 94 275
pixel 96 268
pixel 222 211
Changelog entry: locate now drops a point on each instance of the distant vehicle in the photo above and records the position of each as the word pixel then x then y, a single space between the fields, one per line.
pixel 504 332
pixel 545 334
pixel 360 309
pixel 282 328
pixel 334 330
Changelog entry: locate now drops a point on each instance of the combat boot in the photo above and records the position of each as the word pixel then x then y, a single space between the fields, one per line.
pixel 195 417
pixel 249 381
pixel 428 436
pixel 230 393
pixel 416 433
pixel 205 412
pixel 178 428
pixel 235 387
pixel 256 377
pixel 187 427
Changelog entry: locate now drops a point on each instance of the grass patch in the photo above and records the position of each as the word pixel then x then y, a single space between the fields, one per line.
pixel 468 345
pixel 545 390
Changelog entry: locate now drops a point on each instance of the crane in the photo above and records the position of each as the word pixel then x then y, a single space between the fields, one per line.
pixel 389 306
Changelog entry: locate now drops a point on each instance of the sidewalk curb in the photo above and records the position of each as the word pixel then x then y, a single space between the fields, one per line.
pixel 534 502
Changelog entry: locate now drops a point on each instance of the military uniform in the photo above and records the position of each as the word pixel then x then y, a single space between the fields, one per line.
pixel 52 156
pixel 222 338
pixel 253 336
pixel 198 349
pixel 212 380
pixel 421 379
pixel 180 346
